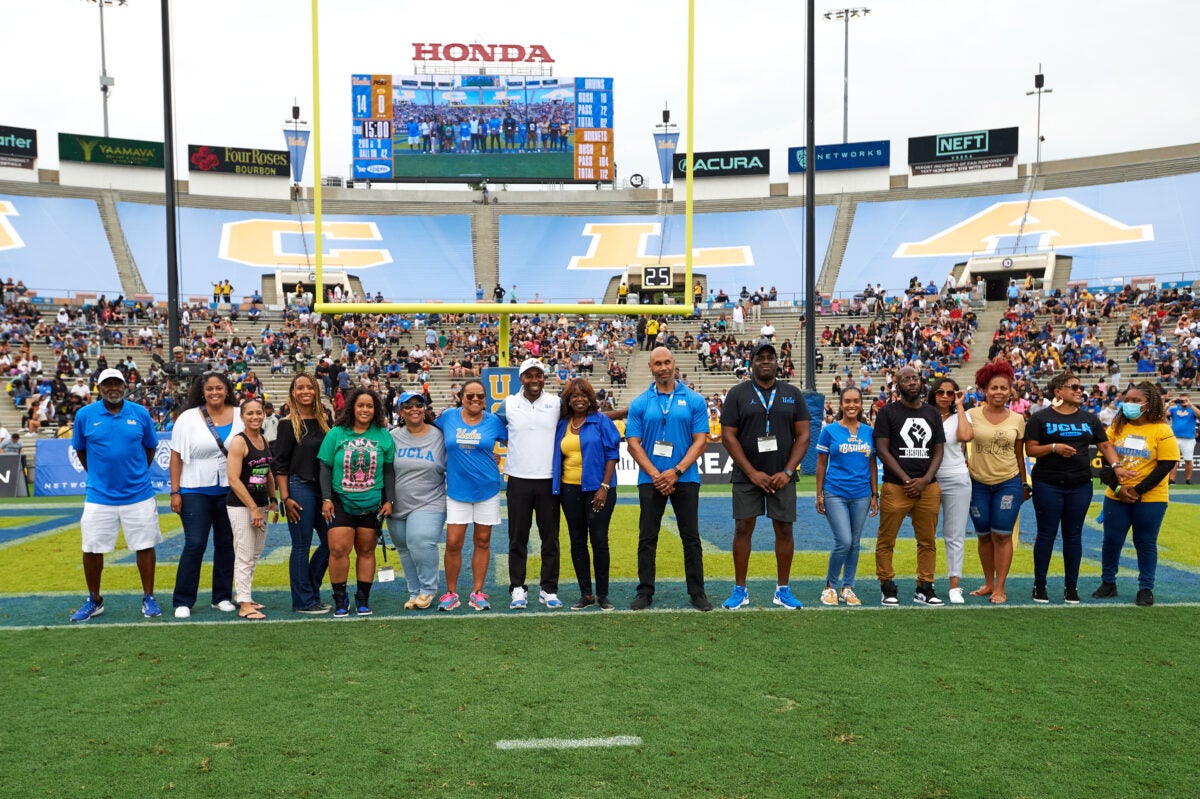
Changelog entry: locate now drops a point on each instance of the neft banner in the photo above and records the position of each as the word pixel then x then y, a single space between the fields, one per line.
pixel 961 152
pixel 18 147
pixel 115 152
pixel 855 155
pixel 57 471
pixel 726 163
pixel 239 161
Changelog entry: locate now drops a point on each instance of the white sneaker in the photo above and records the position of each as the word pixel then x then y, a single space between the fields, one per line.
pixel 519 599
pixel 225 606
pixel 549 600
pixel 956 597
pixel 183 612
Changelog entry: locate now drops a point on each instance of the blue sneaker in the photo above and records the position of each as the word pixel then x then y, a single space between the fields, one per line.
pixel 549 600
pixel 150 607
pixel 784 598
pixel 740 598
pixel 341 605
pixel 361 607
pixel 448 602
pixel 88 609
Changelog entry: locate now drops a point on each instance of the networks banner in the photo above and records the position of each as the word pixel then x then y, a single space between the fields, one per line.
pixel 58 472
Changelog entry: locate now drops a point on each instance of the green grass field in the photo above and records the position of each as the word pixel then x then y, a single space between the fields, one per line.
pixel 1023 701
pixel 1019 703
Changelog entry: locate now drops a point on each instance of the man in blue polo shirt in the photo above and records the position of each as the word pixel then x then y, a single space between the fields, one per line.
pixel 115 442
pixel 672 421
pixel 1183 425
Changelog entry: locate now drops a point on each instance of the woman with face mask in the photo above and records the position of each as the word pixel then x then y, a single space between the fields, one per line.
pixel 1146 445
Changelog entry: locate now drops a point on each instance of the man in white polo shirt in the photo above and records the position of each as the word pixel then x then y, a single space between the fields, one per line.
pixel 116 442
pixel 531 416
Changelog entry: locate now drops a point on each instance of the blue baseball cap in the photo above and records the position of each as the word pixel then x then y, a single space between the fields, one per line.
pixel 410 395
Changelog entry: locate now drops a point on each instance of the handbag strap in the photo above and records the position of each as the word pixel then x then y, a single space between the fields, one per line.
pixel 212 428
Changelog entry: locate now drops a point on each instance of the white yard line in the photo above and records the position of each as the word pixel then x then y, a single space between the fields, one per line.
pixel 570 743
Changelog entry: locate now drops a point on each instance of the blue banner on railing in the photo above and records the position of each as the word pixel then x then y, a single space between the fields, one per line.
pixel 664 145
pixel 58 472
pixel 855 155
pixel 297 144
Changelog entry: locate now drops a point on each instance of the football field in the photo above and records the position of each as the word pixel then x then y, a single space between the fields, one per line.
pixel 972 701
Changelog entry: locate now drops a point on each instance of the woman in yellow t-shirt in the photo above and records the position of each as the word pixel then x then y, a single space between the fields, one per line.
pixel 1146 445
pixel 998 484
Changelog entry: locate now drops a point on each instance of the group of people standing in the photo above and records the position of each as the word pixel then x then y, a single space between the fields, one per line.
pixel 921 441
pixel 339 479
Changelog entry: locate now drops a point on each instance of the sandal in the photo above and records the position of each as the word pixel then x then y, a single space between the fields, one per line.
pixel 983 590
pixel 253 615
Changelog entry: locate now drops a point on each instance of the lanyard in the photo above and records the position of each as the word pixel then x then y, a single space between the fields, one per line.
pixel 765 403
pixel 666 410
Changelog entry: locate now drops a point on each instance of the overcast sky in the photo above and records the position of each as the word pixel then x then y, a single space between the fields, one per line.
pixel 1123 72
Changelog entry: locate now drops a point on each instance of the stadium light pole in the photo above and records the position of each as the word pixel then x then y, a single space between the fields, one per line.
pixel 1039 88
pixel 810 209
pixel 106 80
pixel 845 15
pixel 169 188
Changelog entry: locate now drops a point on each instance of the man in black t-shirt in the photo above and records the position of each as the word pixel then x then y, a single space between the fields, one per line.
pixel 909 438
pixel 765 428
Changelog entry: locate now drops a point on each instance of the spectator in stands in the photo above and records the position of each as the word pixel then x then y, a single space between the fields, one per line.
pixel 1146 444
pixel 297 476
pixel 199 488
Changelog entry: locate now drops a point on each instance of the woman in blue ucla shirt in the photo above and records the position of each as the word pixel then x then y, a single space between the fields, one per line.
pixel 586 450
pixel 472 488
pixel 846 493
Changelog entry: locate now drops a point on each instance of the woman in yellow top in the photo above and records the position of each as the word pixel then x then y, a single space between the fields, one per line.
pixel 998 485
pixel 1146 445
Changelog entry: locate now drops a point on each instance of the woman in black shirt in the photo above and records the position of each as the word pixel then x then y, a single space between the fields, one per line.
pixel 1059 438
pixel 297 477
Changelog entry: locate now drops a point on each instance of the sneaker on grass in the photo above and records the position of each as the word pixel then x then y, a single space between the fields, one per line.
pixel 88 609
pixel 739 598
pixel 1040 596
pixel 520 599
pixel 889 597
pixel 341 605
pixel 584 602
pixel 549 600
pixel 1071 595
pixel 925 596
pixel 785 599
pixel 829 597
pixel 448 602
pixel 150 608
pixel 479 601
pixel 849 597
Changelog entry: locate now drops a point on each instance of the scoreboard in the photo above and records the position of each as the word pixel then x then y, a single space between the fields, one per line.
pixel 468 128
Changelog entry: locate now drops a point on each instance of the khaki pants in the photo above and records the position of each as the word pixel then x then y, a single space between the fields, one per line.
pixel 248 542
pixel 894 507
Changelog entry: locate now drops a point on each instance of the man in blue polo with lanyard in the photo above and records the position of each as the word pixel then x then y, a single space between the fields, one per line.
pixel 115 442
pixel 765 428
pixel 667 430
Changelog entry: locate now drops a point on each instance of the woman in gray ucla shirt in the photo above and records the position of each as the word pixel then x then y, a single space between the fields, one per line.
pixel 419 514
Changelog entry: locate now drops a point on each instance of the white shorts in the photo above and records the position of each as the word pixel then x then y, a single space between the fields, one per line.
pixel 1187 448
pixel 485 512
pixel 101 523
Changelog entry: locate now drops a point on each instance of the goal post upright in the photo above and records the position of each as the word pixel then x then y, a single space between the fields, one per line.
pixel 503 310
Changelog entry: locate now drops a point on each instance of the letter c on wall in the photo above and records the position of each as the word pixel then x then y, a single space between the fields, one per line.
pixel 259 242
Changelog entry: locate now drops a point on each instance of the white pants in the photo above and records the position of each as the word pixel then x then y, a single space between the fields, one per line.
pixel 248 542
pixel 956 508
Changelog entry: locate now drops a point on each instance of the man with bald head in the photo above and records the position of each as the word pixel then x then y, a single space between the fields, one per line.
pixel 909 439
pixel 667 430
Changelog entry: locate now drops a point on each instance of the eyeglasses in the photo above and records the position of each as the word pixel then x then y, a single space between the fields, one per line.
pixel 473 396
pixel 943 393
pixel 1074 387
pixel 409 406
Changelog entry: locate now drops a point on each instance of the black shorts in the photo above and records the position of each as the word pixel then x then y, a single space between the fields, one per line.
pixel 750 501
pixel 341 518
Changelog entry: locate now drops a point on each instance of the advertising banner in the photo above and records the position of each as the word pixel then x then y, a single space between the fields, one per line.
pixel 18 147
pixel 664 145
pixel 855 155
pixel 726 163
pixel 12 476
pixel 238 161
pixel 961 152
pixel 297 143
pixel 115 152
pixel 58 472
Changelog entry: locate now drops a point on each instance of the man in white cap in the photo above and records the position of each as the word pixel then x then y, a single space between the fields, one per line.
pixel 531 416
pixel 116 442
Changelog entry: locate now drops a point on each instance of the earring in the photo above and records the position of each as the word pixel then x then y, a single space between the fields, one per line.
pixel 1056 402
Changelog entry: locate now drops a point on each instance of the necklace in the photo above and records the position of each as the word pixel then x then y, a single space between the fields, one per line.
pixel 573 428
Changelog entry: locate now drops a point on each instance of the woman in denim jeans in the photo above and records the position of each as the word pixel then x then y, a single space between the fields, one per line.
pixel 296 475
pixel 199 488
pixel 846 492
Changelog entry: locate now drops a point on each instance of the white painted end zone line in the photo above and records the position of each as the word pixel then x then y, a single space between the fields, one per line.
pixel 570 743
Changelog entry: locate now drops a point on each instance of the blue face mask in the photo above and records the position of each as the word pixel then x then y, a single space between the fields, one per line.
pixel 1131 410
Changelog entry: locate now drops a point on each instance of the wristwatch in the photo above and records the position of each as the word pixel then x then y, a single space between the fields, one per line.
pixel 790 472
pixel 678 471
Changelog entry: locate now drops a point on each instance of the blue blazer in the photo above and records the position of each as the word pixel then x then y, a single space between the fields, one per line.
pixel 599 442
